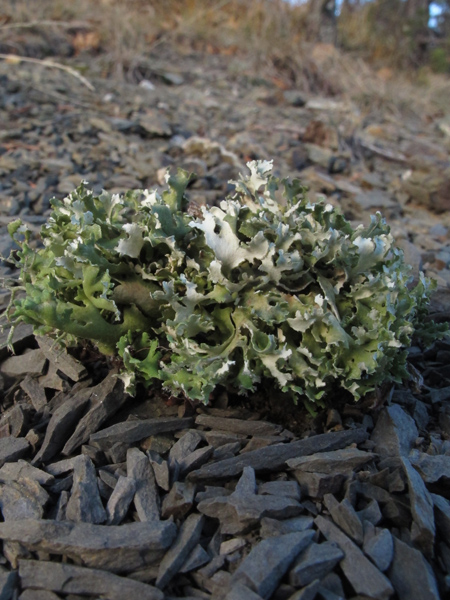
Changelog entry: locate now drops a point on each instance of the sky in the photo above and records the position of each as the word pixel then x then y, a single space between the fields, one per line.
pixel 435 10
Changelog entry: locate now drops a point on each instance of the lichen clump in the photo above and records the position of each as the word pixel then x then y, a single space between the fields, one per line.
pixel 267 287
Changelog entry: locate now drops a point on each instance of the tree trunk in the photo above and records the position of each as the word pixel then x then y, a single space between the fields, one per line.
pixel 322 21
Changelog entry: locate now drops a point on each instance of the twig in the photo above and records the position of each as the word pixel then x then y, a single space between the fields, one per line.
pixel 15 58
pixel 60 24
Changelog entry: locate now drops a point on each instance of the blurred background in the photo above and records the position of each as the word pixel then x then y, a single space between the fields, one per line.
pixel 333 47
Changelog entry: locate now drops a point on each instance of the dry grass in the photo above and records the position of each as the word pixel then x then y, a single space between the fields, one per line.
pixel 267 38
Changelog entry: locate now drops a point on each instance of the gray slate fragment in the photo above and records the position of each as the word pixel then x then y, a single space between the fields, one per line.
pixel 70 579
pixel 22 468
pixel 120 500
pixel 61 425
pixel 146 497
pixel 194 460
pixel 240 591
pixel 179 500
pixel 22 499
pixel 345 516
pixel 188 538
pixel 106 399
pixel 316 485
pixel 291 489
pixel 269 560
pixel 307 593
pixel 423 529
pixel 35 392
pixel 274 527
pixel 365 578
pixel 314 563
pixel 29 363
pixel 12 449
pixel 395 432
pixel 184 446
pixel 160 469
pixel 59 513
pixel 371 513
pixel 273 458
pixel 346 461
pixel 239 426
pixel 121 548
pixel 243 509
pixel 85 504
pixel 128 432
pixel 31 594
pixel 197 558
pixel 411 575
pixel 62 466
pixel 63 361
pixel 8 584
pixel 380 548
pixel 432 468
pixel 442 515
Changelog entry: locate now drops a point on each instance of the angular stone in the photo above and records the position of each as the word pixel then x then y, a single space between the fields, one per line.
pixel 179 500
pixel 314 563
pixel 188 538
pixel 290 489
pixel 160 469
pixel 316 485
pixel 85 505
pixel 423 529
pixel 8 584
pixel 61 424
pixel 35 392
pixel 269 560
pixel 371 513
pixel 194 460
pixel 442 515
pixel 273 458
pixel 31 594
pixel 365 578
pixel 432 468
pixel 239 426
pixel 62 466
pixel 30 363
pixel 344 461
pixel 230 546
pixel 411 575
pixel 221 438
pixel 12 448
pixel 380 548
pixel 129 432
pixel 239 591
pixel 22 499
pixel 63 361
pixel 120 500
pixel 70 579
pixel 146 497
pixel 274 527
pixel 243 509
pixel 197 558
pixel 121 548
pixel 344 515
pixel 14 470
pixel 395 432
pixel 309 592
pixel 184 446
pixel 106 399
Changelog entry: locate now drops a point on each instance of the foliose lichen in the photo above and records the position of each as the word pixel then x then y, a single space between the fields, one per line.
pixel 266 286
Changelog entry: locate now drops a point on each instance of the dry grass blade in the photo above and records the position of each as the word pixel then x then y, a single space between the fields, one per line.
pixel 15 59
